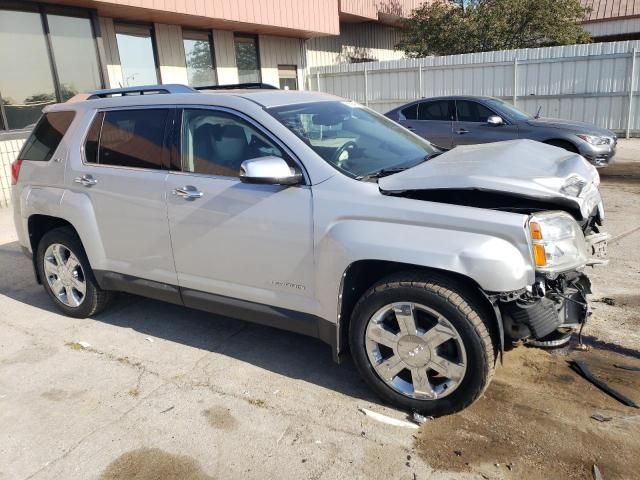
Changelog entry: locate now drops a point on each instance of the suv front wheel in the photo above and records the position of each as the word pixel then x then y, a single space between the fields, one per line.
pixel 67 276
pixel 422 344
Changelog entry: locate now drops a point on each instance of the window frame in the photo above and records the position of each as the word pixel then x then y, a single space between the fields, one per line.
pixel 44 9
pixel 166 139
pixel 256 39
pixel 175 144
pixel 209 34
pixel 284 67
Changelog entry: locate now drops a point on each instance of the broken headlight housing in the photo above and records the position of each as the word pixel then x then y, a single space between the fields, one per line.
pixel 573 186
pixel 557 241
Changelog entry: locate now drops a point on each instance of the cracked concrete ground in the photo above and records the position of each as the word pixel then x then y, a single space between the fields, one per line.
pixel 161 391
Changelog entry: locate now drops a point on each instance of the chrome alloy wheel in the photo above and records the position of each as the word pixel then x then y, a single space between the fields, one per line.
pixel 64 275
pixel 415 350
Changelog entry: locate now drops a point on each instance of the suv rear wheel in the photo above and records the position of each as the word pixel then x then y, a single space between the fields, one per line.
pixel 422 344
pixel 67 276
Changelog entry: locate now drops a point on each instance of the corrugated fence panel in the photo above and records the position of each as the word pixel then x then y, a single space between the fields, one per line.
pixel 581 82
pixel 9 150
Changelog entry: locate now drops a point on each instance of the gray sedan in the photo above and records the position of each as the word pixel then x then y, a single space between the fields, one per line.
pixel 451 121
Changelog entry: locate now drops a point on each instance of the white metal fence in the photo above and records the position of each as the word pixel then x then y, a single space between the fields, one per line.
pixel 594 83
pixel 9 150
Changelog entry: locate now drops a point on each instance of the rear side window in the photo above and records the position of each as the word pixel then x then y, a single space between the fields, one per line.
pixel 441 110
pixel 411 112
pixel 128 138
pixel 46 137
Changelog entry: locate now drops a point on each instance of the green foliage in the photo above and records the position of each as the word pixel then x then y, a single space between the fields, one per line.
pixel 463 26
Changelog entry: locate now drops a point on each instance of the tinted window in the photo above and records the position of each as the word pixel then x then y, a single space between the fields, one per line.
pixel 46 137
pixel 441 110
pixel 217 143
pixel 75 52
pixel 198 52
pixel 247 59
pixel 129 138
pixel 472 111
pixel 26 84
pixel 411 113
pixel 93 137
pixel 137 58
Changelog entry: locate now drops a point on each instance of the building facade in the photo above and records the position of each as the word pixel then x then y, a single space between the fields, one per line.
pixel 613 20
pixel 51 50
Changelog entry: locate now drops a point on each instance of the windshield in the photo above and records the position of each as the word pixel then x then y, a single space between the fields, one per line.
pixel 507 108
pixel 352 138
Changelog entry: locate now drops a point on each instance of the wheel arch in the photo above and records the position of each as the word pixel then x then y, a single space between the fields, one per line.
pixel 37 226
pixel 360 275
pixel 562 143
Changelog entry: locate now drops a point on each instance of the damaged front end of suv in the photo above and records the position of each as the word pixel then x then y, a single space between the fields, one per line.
pixel 558 191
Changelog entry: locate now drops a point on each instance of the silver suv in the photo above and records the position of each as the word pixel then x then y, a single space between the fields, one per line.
pixel 307 212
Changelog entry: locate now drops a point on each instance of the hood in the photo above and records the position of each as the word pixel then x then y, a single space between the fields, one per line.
pixel 518 167
pixel 577 127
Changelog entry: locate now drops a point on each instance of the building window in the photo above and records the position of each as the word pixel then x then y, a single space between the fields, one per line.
pixel 247 58
pixel 137 55
pixel 29 79
pixel 288 77
pixel 199 58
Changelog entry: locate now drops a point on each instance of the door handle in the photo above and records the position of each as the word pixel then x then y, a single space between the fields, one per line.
pixel 462 131
pixel 86 180
pixel 188 192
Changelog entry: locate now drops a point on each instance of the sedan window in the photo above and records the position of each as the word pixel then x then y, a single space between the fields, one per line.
pixel 441 110
pixel 472 111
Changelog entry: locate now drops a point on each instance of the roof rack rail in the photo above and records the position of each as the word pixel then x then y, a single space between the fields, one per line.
pixel 239 86
pixel 143 90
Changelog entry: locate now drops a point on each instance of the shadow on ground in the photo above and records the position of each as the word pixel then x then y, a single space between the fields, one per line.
pixel 295 356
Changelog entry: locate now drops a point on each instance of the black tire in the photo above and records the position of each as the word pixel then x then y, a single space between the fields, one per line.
pixel 95 299
pixel 464 312
pixel 563 144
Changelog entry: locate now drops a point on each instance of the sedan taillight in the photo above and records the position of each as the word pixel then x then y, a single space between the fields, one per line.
pixel 15 171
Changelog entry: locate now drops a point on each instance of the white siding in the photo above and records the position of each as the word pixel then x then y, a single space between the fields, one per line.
pixel 171 53
pixel 356 40
pixel 587 83
pixel 276 51
pixel 108 49
pixel 605 28
pixel 225 57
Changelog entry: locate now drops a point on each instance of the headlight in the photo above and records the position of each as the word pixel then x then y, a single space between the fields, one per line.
pixel 558 242
pixel 594 140
pixel 573 186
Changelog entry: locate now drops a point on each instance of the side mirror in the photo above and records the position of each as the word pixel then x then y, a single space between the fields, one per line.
pixel 269 170
pixel 495 120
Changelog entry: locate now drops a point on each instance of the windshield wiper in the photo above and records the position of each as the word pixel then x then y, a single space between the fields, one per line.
pixel 383 172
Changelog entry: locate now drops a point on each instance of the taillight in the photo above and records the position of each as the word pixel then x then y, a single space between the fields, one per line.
pixel 15 171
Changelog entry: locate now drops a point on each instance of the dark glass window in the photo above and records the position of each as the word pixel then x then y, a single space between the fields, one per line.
pixel 287 74
pixel 45 138
pixel 75 52
pixel 93 139
pixel 216 143
pixel 26 83
pixel 247 59
pixel 137 54
pixel 198 53
pixel 411 113
pixel 472 111
pixel 441 110
pixel 131 138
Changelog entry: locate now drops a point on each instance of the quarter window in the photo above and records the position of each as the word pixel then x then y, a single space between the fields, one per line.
pixel 46 137
pixel 128 138
pixel 216 143
pixel 472 112
pixel 411 112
